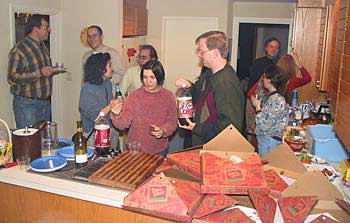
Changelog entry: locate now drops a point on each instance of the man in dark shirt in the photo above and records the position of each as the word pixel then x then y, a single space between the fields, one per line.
pixel 30 74
pixel 272 46
pixel 217 95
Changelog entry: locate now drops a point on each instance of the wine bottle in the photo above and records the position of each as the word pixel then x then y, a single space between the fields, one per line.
pixel 80 147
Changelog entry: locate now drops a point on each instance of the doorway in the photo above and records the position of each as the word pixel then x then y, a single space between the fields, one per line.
pixel 54 18
pixel 255 20
pixel 251 39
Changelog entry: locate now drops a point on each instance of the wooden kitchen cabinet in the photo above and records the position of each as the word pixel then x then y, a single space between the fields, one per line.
pixel 135 17
pixel 308 34
pixel 340 92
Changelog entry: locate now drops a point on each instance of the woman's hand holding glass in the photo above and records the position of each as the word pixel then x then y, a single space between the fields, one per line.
pixel 116 106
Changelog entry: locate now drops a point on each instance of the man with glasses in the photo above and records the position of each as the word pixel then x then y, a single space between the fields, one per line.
pixel 95 40
pixel 217 95
pixel 131 80
pixel 30 74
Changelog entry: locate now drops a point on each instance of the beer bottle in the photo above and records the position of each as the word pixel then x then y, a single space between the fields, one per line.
pixel 80 147
pixel 118 93
pixel 184 105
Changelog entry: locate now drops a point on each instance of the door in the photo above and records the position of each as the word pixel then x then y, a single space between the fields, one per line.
pixel 179 49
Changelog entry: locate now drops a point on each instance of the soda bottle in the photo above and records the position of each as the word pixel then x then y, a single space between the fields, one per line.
pixel 80 147
pixel 184 105
pixel 118 93
pixel 102 135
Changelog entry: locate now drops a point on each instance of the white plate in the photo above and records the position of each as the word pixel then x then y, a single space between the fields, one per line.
pixel 68 152
pixel 48 164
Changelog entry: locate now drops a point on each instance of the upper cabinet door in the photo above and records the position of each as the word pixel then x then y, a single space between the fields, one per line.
pixel 135 17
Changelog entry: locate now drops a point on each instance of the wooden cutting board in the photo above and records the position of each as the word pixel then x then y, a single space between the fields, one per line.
pixel 127 171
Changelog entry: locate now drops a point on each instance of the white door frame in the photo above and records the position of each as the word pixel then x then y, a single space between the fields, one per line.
pixel 55 52
pixel 235 32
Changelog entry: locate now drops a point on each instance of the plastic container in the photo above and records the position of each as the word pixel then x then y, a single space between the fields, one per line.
pixel 326 144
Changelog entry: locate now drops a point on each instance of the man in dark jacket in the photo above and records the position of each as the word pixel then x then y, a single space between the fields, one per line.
pixel 217 95
pixel 272 46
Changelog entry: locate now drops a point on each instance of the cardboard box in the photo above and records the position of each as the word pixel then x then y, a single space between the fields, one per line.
pixel 275 183
pixel 316 184
pixel 188 162
pixel 222 176
pixel 230 216
pixel 213 203
pixel 264 204
pixel 283 160
pixel 165 197
pixel 296 209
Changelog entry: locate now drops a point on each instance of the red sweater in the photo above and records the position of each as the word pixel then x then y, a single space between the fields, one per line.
pixel 293 83
pixel 142 109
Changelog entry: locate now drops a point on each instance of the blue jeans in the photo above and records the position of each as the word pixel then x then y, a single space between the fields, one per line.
pixel 164 153
pixel 266 144
pixel 28 111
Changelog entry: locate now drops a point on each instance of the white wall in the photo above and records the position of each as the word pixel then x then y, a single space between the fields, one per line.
pixel 77 15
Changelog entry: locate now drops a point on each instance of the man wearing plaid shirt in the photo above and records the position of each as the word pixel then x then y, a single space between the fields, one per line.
pixel 30 74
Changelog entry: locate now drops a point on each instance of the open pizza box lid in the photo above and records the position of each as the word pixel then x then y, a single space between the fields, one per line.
pixel 283 160
pixel 229 142
pixel 314 183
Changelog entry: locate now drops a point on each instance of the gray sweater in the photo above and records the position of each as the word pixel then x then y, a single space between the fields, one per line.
pixel 93 98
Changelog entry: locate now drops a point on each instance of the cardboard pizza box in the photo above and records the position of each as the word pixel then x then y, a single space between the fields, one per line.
pixel 229 216
pixel 165 197
pixel 222 176
pixel 213 203
pixel 283 160
pixel 314 183
pixel 264 204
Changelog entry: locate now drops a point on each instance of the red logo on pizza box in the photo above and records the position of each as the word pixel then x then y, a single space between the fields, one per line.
pixel 157 193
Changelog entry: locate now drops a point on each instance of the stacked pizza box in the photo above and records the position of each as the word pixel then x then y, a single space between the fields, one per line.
pixel 205 184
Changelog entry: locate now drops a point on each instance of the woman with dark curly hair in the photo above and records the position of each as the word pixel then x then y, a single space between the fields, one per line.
pixel 149 112
pixel 96 94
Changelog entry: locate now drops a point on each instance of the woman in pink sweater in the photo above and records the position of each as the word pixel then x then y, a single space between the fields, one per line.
pixel 149 112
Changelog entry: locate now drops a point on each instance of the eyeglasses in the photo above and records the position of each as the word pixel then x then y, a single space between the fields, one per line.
pixel 44 27
pixel 142 57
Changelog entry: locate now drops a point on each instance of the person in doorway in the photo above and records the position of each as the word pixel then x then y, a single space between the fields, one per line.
pixel 217 95
pixel 95 40
pixel 271 120
pixel 290 64
pixel 272 46
pixel 30 74
pixel 131 79
pixel 149 112
pixel 96 95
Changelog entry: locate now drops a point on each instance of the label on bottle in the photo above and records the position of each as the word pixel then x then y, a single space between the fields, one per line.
pixel 185 107
pixel 81 158
pixel 102 136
